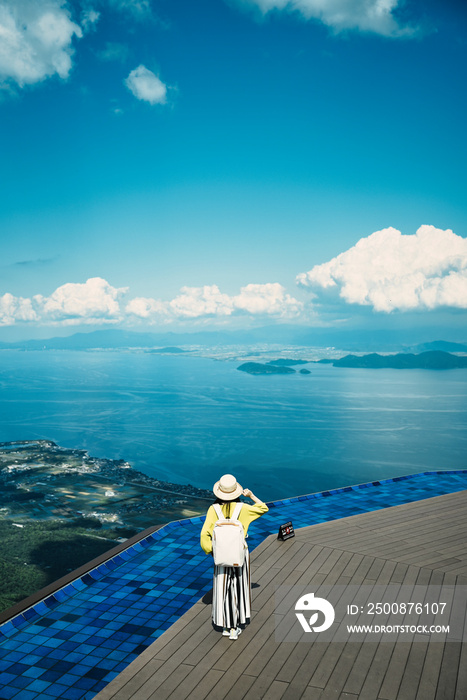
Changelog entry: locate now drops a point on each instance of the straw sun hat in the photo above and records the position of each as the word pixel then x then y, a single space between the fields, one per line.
pixel 227 488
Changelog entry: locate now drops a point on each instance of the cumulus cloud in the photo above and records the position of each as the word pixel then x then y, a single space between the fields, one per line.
pixel 375 16
pixel 36 39
pixel 146 308
pixel 201 301
pixel 98 302
pixel 95 301
pixel 209 301
pixel 145 85
pixel 390 271
pixel 14 309
pixel 268 298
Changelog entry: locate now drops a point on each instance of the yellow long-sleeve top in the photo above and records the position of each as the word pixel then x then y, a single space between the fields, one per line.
pixel 247 515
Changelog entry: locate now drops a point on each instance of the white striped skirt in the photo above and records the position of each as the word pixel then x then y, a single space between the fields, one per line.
pixel 231 599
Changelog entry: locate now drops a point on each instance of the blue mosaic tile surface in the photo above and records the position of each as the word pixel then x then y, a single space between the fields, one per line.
pixel 73 643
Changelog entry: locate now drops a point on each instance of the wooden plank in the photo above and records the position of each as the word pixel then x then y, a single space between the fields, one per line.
pixel 361 570
pixel 208 651
pixel 326 666
pixel 461 686
pixel 436 561
pixel 236 692
pixel 375 569
pixel 430 672
pixel 275 691
pixel 266 594
pixel 400 572
pixel 195 686
pixel 360 669
pixel 270 658
pixel 413 669
pixel 386 574
pixel 310 693
pixel 297 657
pixel 188 639
pixel 374 679
pixel 171 683
pixel 411 575
pixel 288 550
pixel 309 559
pixel 447 680
pixel 353 565
pixel 262 686
pixel 395 671
pixel 301 679
pixel 238 655
pixel 338 677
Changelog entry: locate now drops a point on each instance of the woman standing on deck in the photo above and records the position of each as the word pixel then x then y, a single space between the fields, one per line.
pixel 231 585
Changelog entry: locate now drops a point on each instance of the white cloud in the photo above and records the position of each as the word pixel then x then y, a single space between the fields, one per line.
pixel 198 302
pixel 95 301
pixel 375 16
pixel 201 301
pixel 390 271
pixel 267 299
pixel 146 308
pixel 35 40
pixel 14 309
pixel 89 19
pixel 145 85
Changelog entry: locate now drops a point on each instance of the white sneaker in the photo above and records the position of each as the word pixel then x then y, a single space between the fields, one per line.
pixel 226 632
pixel 234 633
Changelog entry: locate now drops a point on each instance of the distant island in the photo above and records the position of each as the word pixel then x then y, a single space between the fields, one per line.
pixel 259 368
pixel 434 359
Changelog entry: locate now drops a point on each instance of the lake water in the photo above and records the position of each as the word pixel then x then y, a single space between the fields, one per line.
pixel 192 419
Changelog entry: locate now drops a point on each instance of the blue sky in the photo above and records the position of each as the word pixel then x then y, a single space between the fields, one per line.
pixel 181 164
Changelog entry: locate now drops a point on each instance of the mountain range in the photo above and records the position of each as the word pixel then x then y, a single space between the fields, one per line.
pixel 361 341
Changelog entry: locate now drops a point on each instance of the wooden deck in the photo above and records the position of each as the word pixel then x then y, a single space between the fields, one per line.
pixel 418 543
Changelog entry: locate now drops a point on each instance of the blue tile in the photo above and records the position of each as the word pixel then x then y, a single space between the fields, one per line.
pixel 6 678
pixel 85 683
pixel 56 690
pixel 38 686
pixel 75 693
pixel 9 692
pixel 25 695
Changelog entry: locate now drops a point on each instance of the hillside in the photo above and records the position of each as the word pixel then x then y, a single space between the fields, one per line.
pixel 434 359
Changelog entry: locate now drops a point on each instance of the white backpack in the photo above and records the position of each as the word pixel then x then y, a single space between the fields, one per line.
pixel 228 539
